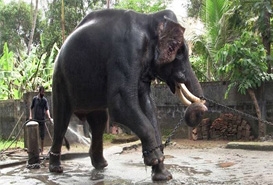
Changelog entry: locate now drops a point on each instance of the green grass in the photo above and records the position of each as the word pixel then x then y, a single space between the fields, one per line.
pixel 108 137
pixel 5 144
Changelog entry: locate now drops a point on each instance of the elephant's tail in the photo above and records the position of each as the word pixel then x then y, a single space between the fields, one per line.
pixel 67 145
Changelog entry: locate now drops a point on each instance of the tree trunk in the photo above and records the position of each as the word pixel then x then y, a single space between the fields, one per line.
pixel 33 28
pixel 266 37
pixel 62 21
pixel 258 112
pixel 108 4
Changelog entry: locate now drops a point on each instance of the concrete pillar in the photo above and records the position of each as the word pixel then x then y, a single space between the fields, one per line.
pixel 33 142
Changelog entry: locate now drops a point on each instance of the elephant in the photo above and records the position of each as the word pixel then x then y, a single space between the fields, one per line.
pixel 105 68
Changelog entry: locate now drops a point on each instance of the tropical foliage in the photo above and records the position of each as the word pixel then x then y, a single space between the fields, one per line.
pixel 17 32
pixel 207 45
pixel 26 73
pixel 22 71
pixel 57 22
pixel 245 62
pixel 142 6
pixel 225 21
pixel 237 44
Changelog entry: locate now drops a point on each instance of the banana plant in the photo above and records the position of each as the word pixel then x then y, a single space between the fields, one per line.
pixel 7 74
pixel 23 74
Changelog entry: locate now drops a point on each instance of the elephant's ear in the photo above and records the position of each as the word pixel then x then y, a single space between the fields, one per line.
pixel 170 40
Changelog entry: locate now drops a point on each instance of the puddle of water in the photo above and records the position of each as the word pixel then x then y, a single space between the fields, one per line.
pixel 19 180
pixel 186 166
pixel 187 170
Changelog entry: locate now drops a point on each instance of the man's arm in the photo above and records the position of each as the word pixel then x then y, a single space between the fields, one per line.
pixel 47 109
pixel 30 113
pixel 48 114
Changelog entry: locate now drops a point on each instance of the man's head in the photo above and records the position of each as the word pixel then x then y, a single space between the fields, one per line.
pixel 41 91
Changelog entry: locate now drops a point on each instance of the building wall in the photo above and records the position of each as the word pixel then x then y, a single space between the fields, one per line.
pixel 169 109
pixel 11 116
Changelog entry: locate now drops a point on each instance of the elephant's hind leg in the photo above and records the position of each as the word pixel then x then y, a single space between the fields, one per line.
pixel 61 115
pixel 55 151
pixel 97 121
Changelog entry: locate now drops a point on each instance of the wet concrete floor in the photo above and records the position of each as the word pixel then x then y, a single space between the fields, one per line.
pixel 214 165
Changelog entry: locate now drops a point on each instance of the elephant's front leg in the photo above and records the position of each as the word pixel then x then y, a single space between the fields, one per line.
pixel 130 104
pixel 149 109
pixel 159 172
pixel 127 111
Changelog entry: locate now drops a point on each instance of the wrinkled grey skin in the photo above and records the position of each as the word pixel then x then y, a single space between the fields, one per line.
pixel 107 64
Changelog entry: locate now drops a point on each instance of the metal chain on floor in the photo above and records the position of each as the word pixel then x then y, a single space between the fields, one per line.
pixel 33 166
pixel 38 165
pixel 236 111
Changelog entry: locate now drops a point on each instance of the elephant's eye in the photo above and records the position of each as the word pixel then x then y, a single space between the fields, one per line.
pixel 182 52
pixel 179 57
pixel 179 54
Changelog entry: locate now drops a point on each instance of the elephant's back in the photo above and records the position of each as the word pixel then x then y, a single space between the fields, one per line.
pixel 94 44
pixel 80 69
pixel 84 59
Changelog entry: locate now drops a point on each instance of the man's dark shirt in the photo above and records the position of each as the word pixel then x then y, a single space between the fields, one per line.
pixel 39 106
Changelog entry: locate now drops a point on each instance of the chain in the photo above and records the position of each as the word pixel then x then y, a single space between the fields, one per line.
pixel 33 166
pixel 167 142
pixel 236 111
pixel 38 164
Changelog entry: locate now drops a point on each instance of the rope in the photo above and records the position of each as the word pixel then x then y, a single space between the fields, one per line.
pixel 17 136
pixel 48 132
pixel 14 129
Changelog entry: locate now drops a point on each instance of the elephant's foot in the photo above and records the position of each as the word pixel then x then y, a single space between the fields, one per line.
pixel 160 173
pixel 55 162
pixel 153 157
pixel 55 168
pixel 98 162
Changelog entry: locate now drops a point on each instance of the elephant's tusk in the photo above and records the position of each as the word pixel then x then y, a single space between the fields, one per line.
pixel 190 96
pixel 182 97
